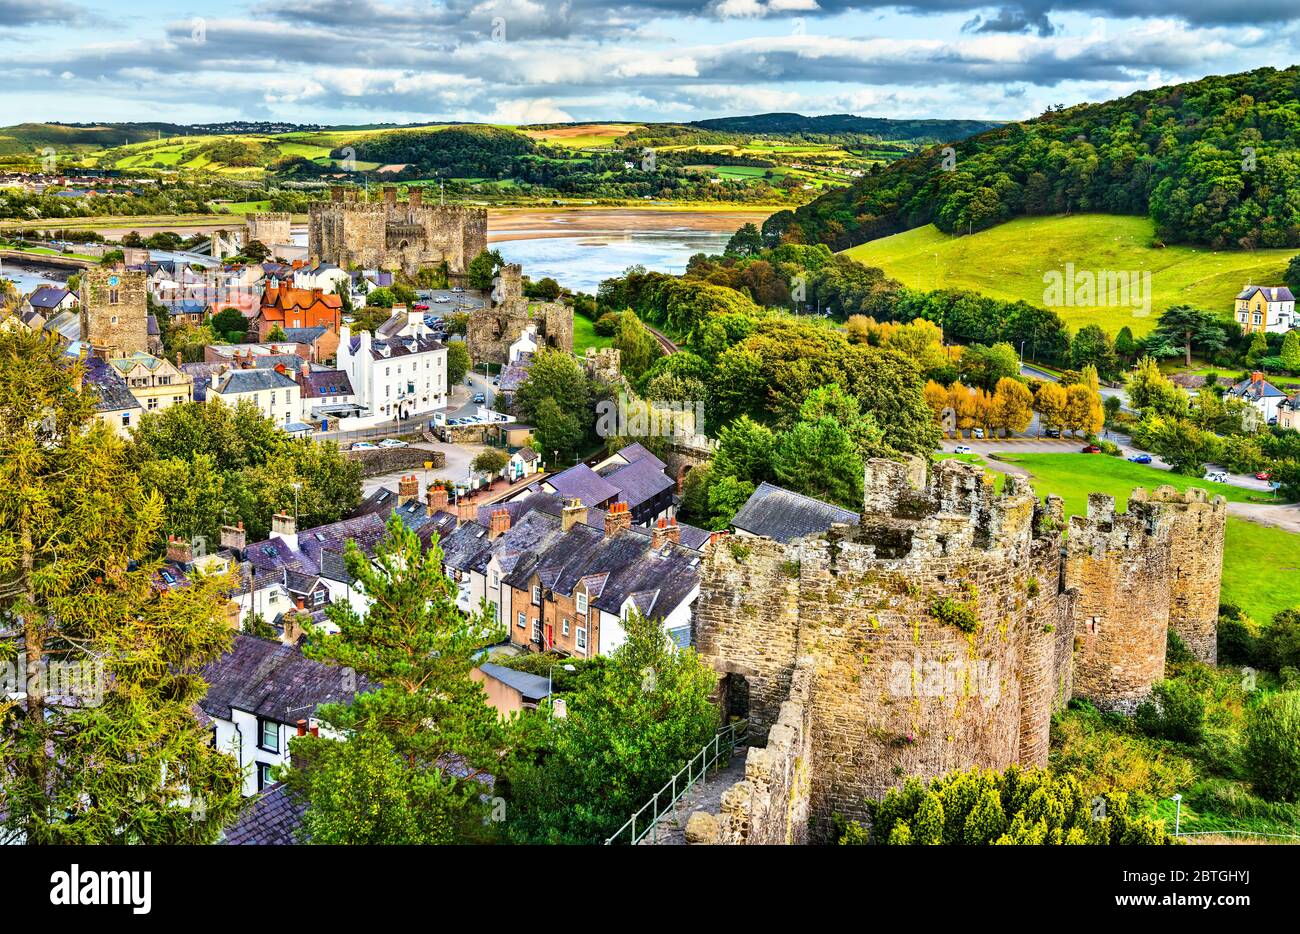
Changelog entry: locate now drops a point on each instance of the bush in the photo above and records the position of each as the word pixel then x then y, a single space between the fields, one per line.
pixel 607 324
pixel 1279 643
pixel 1176 651
pixel 1237 639
pixel 1272 747
pixel 955 613
pixel 1175 711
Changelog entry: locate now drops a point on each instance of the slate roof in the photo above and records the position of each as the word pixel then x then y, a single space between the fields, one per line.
pixel 114 396
pixel 783 515
pixel 640 481
pixel 532 687
pixel 47 296
pixel 304 335
pixel 1255 390
pixel 512 378
pixel 585 484
pixel 272 819
pixel 319 383
pixel 272 680
pixel 236 381
pixel 636 451
pixel 397 346
pixel 1272 294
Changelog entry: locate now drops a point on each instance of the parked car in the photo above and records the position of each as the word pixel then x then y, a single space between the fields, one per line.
pixel 480 398
pixel 1091 449
pixel 962 449
pixel 1217 476
pixel 393 443
pixel 1053 432
pixel 978 433
pixel 458 289
pixel 362 446
pixel 1263 475
pixel 420 306
pixel 1141 458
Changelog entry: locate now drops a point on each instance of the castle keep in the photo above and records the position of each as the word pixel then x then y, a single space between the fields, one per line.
pixel 492 329
pixel 388 234
pixel 115 312
pixel 941 632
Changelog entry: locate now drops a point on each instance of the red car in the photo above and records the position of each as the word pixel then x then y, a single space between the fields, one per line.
pixel 1091 449
pixel 1263 475
pixel 420 306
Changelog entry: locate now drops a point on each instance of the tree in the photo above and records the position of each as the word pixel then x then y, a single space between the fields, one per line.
pixel 277 334
pixel 834 403
pixel 1292 275
pixel 256 251
pixel 1018 806
pixel 984 366
pixel 1272 746
pixel 491 462
pixel 746 241
pixel 458 362
pixel 558 433
pixel 820 459
pixel 1092 346
pixel 126 761
pixel 1152 393
pixel 1186 447
pixel 1291 351
pixel 231 324
pixel 417 711
pixel 1013 406
pixel 637 347
pixel 627 731
pixel 483 269
pixel 1052 404
pixel 1186 327
pixel 555 376
pixel 746 450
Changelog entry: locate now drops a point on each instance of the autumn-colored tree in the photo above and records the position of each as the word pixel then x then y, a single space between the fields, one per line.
pixel 936 396
pixel 961 400
pixel 1052 403
pixel 1013 406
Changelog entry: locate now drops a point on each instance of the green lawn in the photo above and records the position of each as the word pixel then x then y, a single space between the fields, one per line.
pixel 1259 573
pixel 584 335
pixel 1010 260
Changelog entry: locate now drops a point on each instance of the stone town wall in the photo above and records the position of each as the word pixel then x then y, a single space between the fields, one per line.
pixel 1196 566
pixel 269 228
pixel 491 330
pixel 771 804
pixel 1120 565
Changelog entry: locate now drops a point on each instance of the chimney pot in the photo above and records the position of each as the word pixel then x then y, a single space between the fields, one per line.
pixel 302 727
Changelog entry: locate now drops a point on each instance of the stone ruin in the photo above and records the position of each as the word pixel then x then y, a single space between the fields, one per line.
pixel 493 328
pixel 941 633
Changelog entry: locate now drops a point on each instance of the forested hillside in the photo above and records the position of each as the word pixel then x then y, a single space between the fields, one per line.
pixel 1214 162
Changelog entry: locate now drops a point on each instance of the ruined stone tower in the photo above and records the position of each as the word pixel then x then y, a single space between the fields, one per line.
pixel 269 228
pixel 389 234
pixel 1195 567
pixel 939 633
pixel 492 329
pixel 114 311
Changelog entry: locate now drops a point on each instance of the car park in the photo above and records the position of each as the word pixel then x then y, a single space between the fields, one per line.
pixel 393 443
pixel 1140 458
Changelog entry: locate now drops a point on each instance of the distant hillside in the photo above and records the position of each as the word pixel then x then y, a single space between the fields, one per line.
pixel 1212 162
pixel 937 131
pixel 29 137
pixel 1009 262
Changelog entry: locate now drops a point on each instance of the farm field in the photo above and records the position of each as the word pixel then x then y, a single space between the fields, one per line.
pixel 582 136
pixel 1010 260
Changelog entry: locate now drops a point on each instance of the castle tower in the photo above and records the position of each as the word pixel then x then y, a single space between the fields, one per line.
pixel 1195 566
pixel 508 286
pixel 269 228
pixel 1120 566
pixel 114 311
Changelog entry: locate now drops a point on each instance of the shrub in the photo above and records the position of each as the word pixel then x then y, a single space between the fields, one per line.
pixel 1238 641
pixel 1279 643
pixel 1175 711
pixel 607 324
pixel 1272 747
pixel 955 613
pixel 1176 651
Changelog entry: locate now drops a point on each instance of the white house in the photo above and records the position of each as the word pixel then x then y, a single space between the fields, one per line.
pixel 1265 308
pixel 1261 394
pixel 395 377
pixel 276 395
pixel 327 277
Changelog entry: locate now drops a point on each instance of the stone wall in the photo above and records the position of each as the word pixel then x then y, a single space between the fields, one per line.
pixel 771 805
pixel 115 311
pixel 378 461
pixel 389 234
pixel 1120 565
pixel 269 228
pixel 492 329
pixel 1196 566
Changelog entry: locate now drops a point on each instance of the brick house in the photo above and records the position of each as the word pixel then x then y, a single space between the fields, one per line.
pixel 291 309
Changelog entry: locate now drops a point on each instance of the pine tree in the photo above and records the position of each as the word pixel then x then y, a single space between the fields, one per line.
pixel 116 756
pixel 416 649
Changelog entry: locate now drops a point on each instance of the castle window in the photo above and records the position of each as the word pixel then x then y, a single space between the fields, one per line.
pixel 114 319
pixel 113 299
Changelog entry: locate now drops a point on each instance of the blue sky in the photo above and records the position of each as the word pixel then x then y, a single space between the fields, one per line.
pixel 529 61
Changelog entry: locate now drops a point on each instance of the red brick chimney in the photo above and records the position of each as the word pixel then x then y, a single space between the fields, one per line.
pixel 1256 377
pixel 436 497
pixel 659 534
pixel 179 550
pixel 617 519
pixel 499 523
pixel 302 727
pixel 466 511
pixel 408 488
pixel 674 531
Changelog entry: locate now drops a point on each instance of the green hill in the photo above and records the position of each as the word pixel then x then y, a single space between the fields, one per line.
pixel 836 124
pixel 1211 162
pixel 1009 262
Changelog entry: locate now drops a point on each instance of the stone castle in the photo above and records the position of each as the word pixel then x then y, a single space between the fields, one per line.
pixel 274 228
pixel 492 329
pixel 349 231
pixel 941 633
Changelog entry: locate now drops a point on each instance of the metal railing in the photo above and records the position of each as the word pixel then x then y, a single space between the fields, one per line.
pixel 714 756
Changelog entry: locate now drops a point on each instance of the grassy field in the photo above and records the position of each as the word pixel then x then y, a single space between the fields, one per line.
pixel 1257 571
pixel 1010 261
pixel 582 136
pixel 584 335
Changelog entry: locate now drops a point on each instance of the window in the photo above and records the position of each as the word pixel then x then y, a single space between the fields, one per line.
pixel 582 639
pixel 264 777
pixel 521 621
pixel 268 735
pixel 126 419
pixel 113 299
pixel 494 579
pixel 582 605
pixel 565 628
pixel 537 594
pixel 537 631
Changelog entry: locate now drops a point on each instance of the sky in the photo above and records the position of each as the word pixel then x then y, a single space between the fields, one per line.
pixel 544 61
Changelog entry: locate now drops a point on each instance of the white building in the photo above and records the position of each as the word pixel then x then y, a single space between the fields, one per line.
pixel 396 377
pixel 1265 308
pixel 274 394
